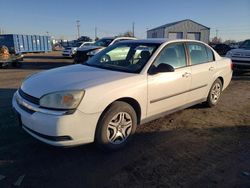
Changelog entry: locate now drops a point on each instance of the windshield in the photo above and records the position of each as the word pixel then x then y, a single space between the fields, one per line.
pixel 78 44
pixel 103 42
pixel 245 44
pixel 125 57
pixel 86 44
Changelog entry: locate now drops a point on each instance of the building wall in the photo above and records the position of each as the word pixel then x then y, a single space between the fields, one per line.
pixel 185 27
pixel 157 33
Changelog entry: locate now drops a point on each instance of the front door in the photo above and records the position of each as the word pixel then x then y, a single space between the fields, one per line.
pixel 169 90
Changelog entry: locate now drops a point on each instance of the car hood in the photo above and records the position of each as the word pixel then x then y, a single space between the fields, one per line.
pixel 87 48
pixel 74 77
pixel 240 50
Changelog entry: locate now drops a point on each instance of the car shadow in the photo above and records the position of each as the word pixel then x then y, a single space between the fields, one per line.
pixel 6 97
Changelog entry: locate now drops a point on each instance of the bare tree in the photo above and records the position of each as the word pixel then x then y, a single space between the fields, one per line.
pixel 216 40
pixel 229 42
pixel 126 34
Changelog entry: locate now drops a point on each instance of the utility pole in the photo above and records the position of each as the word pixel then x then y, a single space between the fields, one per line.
pixel 95 32
pixel 133 29
pixel 217 31
pixel 78 28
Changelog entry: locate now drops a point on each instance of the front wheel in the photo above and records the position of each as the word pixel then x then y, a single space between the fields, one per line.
pixel 116 126
pixel 214 93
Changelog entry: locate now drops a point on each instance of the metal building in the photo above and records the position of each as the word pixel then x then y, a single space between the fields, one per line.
pixel 184 29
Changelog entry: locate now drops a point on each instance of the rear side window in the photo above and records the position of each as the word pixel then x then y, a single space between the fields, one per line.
pixel 199 53
pixel 210 54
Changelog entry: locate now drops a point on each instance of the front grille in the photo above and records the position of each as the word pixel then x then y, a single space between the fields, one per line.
pixel 241 62
pixel 241 55
pixel 28 97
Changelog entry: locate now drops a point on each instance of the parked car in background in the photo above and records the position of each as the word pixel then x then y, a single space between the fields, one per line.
pixel 241 56
pixel 70 51
pixel 234 45
pixel 124 85
pixel 222 49
pixel 83 53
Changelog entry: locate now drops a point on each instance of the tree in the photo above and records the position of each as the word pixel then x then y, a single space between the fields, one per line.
pixel 126 34
pixel 216 40
pixel 229 42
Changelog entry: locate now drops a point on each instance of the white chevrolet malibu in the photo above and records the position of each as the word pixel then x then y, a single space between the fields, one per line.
pixel 127 84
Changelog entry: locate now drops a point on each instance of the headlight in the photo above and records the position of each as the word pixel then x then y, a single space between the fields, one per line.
pixel 94 52
pixel 229 54
pixel 62 100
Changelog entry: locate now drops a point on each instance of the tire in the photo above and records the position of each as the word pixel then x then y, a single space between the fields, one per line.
pixel 112 132
pixel 16 64
pixel 214 94
pixel 106 58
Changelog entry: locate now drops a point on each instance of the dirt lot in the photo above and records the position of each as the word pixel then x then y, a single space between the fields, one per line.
pixel 196 147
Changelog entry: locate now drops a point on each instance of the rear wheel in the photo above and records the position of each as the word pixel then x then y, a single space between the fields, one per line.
pixel 116 126
pixel 214 93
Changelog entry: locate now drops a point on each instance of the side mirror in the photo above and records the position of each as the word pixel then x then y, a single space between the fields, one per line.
pixel 161 68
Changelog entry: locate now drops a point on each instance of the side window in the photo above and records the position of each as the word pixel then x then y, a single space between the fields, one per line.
pixel 210 54
pixel 173 54
pixel 198 53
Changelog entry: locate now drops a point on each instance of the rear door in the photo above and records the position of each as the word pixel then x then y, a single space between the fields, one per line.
pixel 169 90
pixel 202 68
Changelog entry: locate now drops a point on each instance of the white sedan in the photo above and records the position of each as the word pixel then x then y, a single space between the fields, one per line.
pixel 127 84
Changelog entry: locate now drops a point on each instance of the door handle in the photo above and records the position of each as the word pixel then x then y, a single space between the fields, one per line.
pixel 211 68
pixel 186 74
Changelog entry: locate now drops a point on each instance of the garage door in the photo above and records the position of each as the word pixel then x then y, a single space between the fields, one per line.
pixel 175 35
pixel 194 36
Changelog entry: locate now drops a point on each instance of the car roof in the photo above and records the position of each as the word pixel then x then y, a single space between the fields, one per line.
pixel 153 41
pixel 113 38
pixel 159 40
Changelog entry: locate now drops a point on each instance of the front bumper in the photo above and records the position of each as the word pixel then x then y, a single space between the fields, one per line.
pixel 57 130
pixel 67 53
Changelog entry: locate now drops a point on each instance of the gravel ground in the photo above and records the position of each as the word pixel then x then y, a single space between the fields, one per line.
pixel 196 147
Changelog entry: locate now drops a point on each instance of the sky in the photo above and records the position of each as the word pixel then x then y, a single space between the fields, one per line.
pixel 231 18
